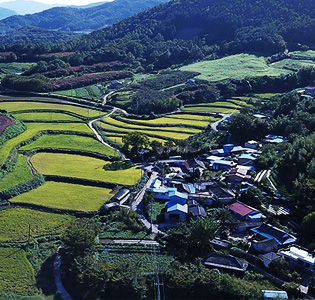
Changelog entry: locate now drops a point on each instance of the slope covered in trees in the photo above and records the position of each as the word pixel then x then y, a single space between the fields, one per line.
pixel 78 19
pixel 181 31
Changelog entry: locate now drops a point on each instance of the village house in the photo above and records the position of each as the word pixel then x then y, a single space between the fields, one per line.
pixel 310 90
pixel 270 295
pixel 244 212
pixel 223 195
pixel 237 175
pixel 298 258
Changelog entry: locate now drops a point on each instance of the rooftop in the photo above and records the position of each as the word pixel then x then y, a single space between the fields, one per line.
pixel 217 260
pixel 298 253
pixel 240 208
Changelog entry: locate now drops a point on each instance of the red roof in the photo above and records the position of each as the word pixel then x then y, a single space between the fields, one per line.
pixel 240 208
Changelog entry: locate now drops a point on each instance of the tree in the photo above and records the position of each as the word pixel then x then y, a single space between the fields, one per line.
pixel 79 238
pixel 136 140
pixel 307 227
pixel 241 127
pixel 156 145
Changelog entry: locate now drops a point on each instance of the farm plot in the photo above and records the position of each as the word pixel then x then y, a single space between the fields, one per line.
pixel 66 196
pixel 153 133
pixel 17 106
pixel 20 174
pixel 17 275
pixel 146 125
pixel 293 64
pixel 46 116
pixel 215 107
pixel 118 139
pixel 71 142
pixel 202 118
pixel 90 168
pixel 34 128
pixel 237 66
pixel 15 224
pixel 309 54
pixel 88 92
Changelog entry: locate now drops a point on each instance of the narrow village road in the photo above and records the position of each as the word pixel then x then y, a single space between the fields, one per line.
pixel 106 96
pixel 137 206
pixel 57 273
pixel 216 123
pixel 98 136
pixel 128 242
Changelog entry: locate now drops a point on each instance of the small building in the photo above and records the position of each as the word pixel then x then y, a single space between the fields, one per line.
pixel 310 90
pixel 121 196
pixel 274 139
pixel 170 194
pixel 222 164
pixel 115 84
pixel 176 212
pixel 252 144
pixel 244 212
pixel 245 159
pixel 298 257
pixel 191 81
pixel 244 226
pixel 269 295
pixel 225 262
pixel 238 175
pixel 196 209
pixel 268 258
pixel 223 195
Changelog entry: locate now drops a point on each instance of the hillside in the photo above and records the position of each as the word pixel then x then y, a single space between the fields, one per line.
pixel 78 19
pixel 5 13
pixel 186 30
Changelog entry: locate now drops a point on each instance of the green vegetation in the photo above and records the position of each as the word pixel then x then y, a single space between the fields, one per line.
pixel 24 105
pixel 211 109
pixel 14 68
pixel 17 223
pixel 69 141
pixel 45 116
pixel 309 54
pixel 17 275
pixel 293 64
pixel 78 166
pixel 88 92
pixel 21 173
pixel 237 66
pixel 65 196
pixel 34 128
pixel 204 118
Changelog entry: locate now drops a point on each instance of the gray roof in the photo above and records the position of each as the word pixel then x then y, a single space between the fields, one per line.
pixel 216 260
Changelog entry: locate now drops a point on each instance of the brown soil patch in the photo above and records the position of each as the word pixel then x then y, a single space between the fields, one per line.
pixel 4 123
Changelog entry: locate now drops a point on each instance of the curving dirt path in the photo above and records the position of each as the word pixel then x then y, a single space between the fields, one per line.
pixel 106 96
pixel 98 136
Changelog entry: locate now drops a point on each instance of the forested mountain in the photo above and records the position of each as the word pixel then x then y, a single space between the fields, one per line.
pixel 185 30
pixel 26 6
pixel 5 13
pixel 78 19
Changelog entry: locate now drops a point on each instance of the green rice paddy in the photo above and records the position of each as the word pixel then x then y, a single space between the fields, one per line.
pixel 85 167
pixel 46 116
pixel 15 224
pixel 66 196
pixel 71 142
pixel 17 275
pixel 20 174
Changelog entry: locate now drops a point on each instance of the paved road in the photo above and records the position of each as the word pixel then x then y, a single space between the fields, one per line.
pixel 60 288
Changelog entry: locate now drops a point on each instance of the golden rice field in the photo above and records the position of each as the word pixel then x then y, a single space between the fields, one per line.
pixel 66 196
pixel 46 116
pixel 85 167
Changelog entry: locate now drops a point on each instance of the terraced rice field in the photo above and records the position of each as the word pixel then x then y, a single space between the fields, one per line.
pixel 212 109
pixel 20 174
pixel 16 222
pixel 189 117
pixel 78 166
pixel 71 142
pixel 118 139
pixel 26 105
pixel 46 116
pixel 66 196
pixel 293 64
pixel 34 128
pixel 17 275
pixel 153 133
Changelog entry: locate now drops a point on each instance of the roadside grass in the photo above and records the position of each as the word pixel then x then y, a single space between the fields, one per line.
pixel 85 167
pixel 111 121
pixel 17 275
pixel 26 105
pixel 15 224
pixel 237 66
pixel 66 196
pixel 293 64
pixel 157 133
pixel 34 128
pixel 45 116
pixel 69 141
pixel 20 174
